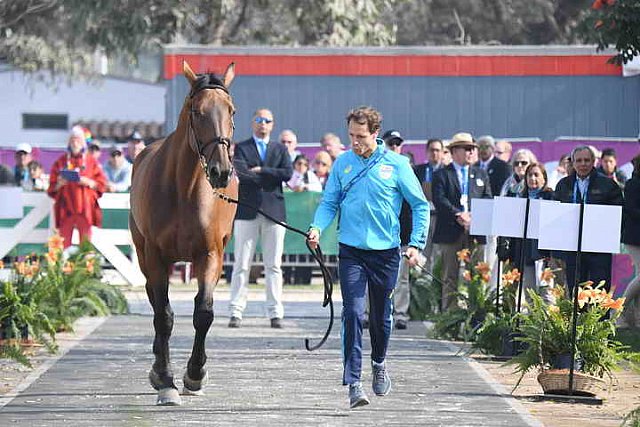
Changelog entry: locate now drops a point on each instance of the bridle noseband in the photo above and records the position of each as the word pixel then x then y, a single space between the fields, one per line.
pixel 220 140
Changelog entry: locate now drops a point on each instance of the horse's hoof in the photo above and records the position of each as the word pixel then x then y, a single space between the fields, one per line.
pixel 194 387
pixel 169 397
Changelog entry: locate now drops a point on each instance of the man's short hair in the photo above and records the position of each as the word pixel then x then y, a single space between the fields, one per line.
pixel 582 148
pixel 366 116
pixel 486 140
pixel 609 152
pixel 433 141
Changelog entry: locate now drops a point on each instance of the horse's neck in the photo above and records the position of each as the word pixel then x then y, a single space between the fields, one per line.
pixel 183 157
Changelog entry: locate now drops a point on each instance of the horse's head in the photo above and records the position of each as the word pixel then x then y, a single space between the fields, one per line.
pixel 211 111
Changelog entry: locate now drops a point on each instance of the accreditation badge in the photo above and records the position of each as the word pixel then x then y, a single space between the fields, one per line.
pixel 464 201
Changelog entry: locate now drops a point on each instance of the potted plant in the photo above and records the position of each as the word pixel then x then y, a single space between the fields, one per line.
pixel 546 329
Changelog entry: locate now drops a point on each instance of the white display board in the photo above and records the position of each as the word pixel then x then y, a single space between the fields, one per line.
pixel 11 206
pixel 558 228
pixel 508 216
pixel 481 217
pixel 601 229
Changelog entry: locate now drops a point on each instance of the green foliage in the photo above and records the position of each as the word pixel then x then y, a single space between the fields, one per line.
pixel 45 297
pixel 546 330
pixel 617 23
pixel 425 292
pixel 490 337
pixel 632 419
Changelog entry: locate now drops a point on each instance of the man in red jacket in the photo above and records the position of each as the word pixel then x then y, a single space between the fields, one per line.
pixel 76 183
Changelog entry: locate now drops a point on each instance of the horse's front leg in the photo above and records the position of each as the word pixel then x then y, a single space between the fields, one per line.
pixel 208 270
pixel 161 375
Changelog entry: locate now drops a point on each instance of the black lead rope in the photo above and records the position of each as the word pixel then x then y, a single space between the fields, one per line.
pixel 315 253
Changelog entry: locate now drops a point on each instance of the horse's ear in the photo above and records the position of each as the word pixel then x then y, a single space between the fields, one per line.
pixel 228 76
pixel 188 72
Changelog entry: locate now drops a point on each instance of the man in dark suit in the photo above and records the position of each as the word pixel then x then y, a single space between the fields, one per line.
pixel 498 170
pixel 453 188
pixel 586 185
pixel 262 166
pixel 435 156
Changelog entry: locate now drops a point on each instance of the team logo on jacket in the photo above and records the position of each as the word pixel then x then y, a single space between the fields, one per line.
pixel 348 169
pixel 386 171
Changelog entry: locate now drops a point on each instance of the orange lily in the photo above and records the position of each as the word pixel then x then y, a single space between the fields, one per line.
pixel 90 266
pixel 67 268
pixel 464 255
pixel 55 242
pixel 51 257
pixel 1 264
pixel 547 275
pixel 466 275
pixel 486 277
pixel 617 304
pixel 483 267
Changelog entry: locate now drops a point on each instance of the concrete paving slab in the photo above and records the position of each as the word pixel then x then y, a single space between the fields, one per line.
pixel 259 376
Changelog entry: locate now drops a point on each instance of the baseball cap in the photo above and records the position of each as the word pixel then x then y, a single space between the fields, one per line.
pixel 393 137
pixel 135 136
pixel 23 146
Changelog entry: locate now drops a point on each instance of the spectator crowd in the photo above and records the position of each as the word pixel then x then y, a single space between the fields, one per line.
pixel 456 171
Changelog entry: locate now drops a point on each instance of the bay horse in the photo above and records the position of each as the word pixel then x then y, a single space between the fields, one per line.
pixel 176 216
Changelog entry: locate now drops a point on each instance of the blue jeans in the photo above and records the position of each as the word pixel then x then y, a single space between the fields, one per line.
pixel 379 270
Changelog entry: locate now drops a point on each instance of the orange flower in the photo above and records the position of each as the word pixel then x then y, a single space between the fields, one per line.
pixel 557 292
pixel 51 257
pixel 554 309
pixel 486 277
pixel 56 242
pixel 483 268
pixel 617 304
pixel 21 268
pixel 67 268
pixel 464 255
pixel 547 275
pixel 90 266
pixel 1 264
pixel 466 275
pixel 510 277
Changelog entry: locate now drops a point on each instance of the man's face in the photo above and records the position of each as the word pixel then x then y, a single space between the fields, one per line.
pixel 289 140
pixel 116 159
pixel 363 142
pixel 76 144
pixel 134 148
pixel 332 146
pixel 262 124
pixel 485 151
pixel 609 164
pixel 435 153
pixel 22 159
pixel 583 162
pixel 463 155
pixel 502 151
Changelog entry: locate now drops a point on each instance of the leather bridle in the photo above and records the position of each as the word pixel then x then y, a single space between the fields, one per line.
pixel 220 140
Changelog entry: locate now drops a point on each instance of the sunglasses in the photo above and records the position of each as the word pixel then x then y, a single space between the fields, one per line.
pixel 521 163
pixel 260 120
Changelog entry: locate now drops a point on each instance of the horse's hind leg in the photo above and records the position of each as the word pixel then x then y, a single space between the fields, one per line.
pixel 160 376
pixel 208 269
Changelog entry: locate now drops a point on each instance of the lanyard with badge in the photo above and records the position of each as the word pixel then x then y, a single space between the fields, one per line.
pixel 464 196
pixel 582 193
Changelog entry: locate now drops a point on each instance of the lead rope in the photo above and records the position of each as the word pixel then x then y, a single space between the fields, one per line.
pixel 315 253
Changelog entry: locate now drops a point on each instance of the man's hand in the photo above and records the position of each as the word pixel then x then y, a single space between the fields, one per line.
pixel 111 188
pixel 256 169
pixel 413 255
pixel 464 219
pixel 313 237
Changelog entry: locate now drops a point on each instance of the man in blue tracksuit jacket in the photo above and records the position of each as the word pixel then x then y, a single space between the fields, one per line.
pixel 365 189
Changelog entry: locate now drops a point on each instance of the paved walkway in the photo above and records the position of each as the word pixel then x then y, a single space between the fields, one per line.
pixel 259 376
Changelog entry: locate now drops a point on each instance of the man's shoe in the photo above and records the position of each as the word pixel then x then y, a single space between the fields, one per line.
pixel 235 322
pixel 276 323
pixel 357 396
pixel 401 324
pixel 381 383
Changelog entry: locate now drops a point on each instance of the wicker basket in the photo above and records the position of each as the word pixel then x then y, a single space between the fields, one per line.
pixel 556 381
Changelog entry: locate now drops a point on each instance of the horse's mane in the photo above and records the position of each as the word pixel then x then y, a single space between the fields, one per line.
pixel 204 81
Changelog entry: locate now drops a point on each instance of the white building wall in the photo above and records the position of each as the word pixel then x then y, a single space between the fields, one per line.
pixel 110 99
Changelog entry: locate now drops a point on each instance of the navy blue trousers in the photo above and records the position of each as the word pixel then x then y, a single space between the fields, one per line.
pixel 378 271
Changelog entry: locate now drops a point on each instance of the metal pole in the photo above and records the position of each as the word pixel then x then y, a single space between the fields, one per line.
pixel 522 253
pixel 574 329
pixel 498 289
